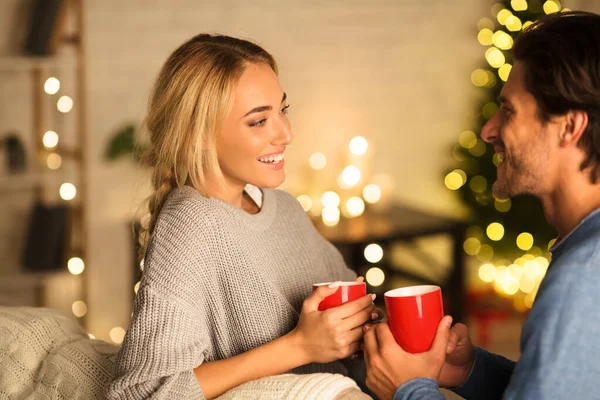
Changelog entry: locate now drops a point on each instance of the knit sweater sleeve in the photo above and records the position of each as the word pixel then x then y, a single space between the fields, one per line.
pixel 167 337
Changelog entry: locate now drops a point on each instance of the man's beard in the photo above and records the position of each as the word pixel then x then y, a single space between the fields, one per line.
pixel 515 180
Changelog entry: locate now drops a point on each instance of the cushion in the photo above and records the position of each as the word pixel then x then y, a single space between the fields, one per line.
pixel 46 354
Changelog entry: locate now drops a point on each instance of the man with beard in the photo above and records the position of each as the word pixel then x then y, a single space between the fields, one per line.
pixel 547 133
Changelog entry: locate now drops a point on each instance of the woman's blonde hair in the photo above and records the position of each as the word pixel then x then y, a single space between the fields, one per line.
pixel 192 95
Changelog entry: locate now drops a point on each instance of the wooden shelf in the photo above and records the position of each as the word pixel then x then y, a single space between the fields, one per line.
pixel 71 61
pixel 27 63
pixel 25 278
pixel 19 182
pixel 29 181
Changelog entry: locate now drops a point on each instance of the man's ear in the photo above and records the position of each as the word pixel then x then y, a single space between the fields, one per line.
pixel 576 123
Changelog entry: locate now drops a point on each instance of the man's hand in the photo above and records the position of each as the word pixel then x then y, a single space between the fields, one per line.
pixel 389 366
pixel 459 359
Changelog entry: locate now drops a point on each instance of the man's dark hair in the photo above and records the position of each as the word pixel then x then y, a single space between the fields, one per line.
pixel 561 55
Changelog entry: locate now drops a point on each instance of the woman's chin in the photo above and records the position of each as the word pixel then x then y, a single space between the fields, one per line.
pixel 270 182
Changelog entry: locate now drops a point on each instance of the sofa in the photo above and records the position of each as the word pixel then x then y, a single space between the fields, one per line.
pixel 46 354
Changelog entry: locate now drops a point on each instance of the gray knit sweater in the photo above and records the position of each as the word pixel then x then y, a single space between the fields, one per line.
pixel 218 282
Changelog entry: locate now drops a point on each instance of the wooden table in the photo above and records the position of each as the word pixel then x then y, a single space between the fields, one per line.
pixel 401 223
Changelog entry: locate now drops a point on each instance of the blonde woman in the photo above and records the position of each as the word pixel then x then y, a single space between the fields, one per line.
pixel 225 296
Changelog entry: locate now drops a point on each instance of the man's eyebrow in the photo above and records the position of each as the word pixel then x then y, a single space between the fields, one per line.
pixel 264 108
pixel 502 100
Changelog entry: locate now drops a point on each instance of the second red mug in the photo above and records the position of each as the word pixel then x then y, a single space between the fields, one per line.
pixel 414 313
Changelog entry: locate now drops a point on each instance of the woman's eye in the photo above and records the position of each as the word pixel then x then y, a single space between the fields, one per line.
pixel 284 110
pixel 258 123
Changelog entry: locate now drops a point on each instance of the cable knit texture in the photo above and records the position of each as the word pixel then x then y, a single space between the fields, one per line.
pixel 218 282
pixel 298 387
pixel 45 354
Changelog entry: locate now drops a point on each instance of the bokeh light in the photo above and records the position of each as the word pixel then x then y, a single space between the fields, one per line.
pixel 467 139
pixel 50 140
pixel 495 57
pixel 551 7
pixel 54 161
pixel 67 191
pixel 330 216
pixel 64 104
pixel 358 145
pixel 503 15
pixel 472 246
pixel 305 201
pixel 518 5
pixel 317 161
pixel 525 241
pixel 355 206
pixel 117 334
pixel 351 175
pixel 495 231
pixel 373 253
pixel 478 184
pixel 487 272
pixel 330 199
pixel 502 40
pixel 504 72
pixel 76 265
pixel 79 308
pixel 485 37
pixel 375 276
pixel 371 193
pixel 52 85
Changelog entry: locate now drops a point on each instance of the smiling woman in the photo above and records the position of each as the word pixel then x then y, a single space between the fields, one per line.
pixel 229 261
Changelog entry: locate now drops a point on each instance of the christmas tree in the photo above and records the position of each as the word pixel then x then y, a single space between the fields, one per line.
pixel 502 230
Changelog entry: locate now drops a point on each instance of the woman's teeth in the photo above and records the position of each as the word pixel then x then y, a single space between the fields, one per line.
pixel 274 159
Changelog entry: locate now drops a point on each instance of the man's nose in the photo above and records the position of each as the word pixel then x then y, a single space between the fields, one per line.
pixel 491 129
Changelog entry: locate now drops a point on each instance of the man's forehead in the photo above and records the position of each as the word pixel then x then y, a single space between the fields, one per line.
pixel 514 86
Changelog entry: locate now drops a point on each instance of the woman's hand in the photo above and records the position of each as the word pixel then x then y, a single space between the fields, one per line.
pixel 333 334
pixel 377 314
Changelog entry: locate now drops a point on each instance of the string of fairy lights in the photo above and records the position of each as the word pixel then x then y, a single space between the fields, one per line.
pixel 519 278
pixel 67 190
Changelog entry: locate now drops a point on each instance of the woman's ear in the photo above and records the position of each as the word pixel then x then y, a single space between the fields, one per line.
pixel 576 123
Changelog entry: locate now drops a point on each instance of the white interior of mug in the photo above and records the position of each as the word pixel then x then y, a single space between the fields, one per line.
pixel 339 284
pixel 411 291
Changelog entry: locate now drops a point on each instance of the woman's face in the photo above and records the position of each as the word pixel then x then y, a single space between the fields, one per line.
pixel 255 134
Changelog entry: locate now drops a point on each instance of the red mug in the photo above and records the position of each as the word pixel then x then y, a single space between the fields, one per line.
pixel 347 291
pixel 414 313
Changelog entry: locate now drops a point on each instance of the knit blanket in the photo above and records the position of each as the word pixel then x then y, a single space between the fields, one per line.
pixel 46 354
pixel 319 386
